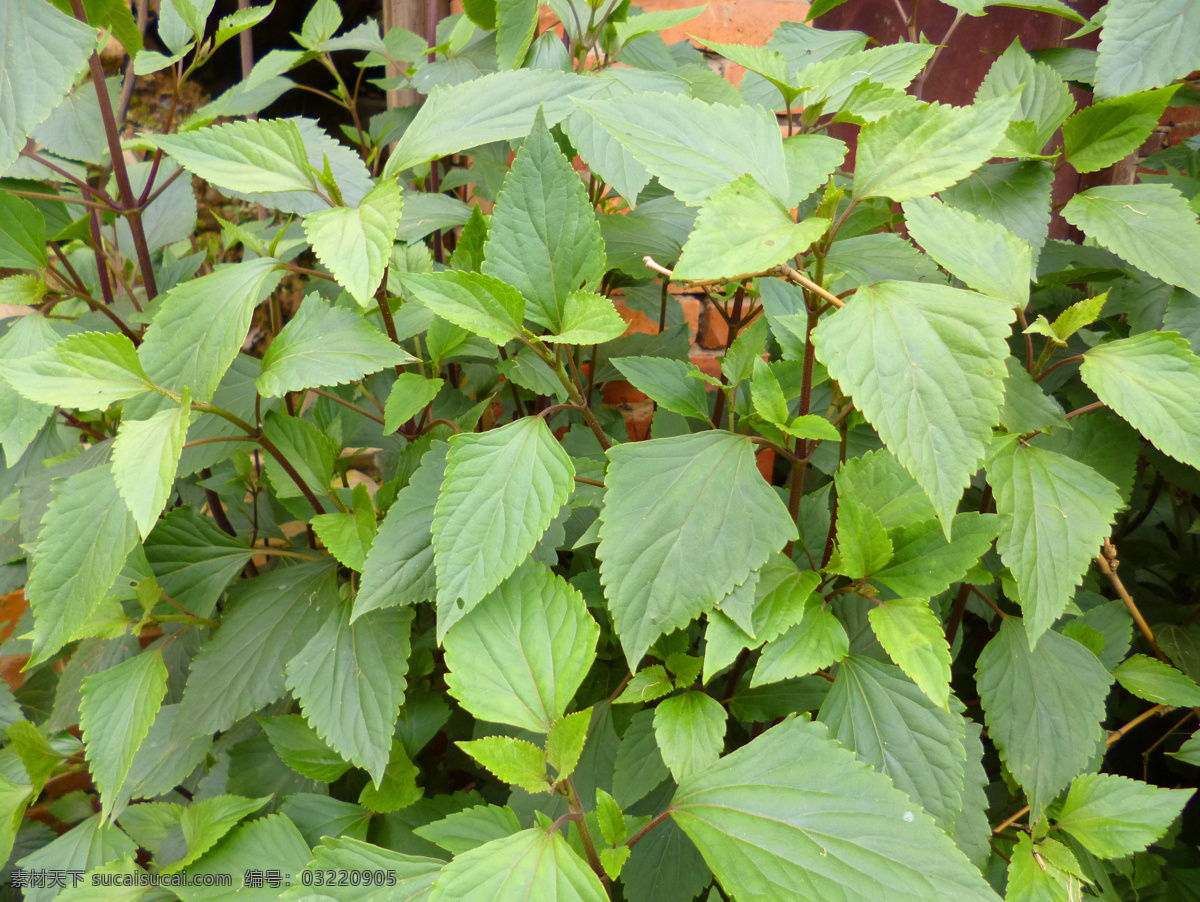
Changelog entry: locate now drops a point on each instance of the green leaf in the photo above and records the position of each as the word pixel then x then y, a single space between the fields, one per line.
pixel 268 843
pixel 648 684
pixel 398 789
pixel 986 256
pixel 356 242
pixel 1103 133
pixel 588 319
pixel 1015 195
pixel 1033 700
pixel 696 148
pixel 666 382
pixel 86 534
pixel 532 864
pixel 502 489
pixel 253 156
pixel 767 395
pixel 22 234
pixel 878 480
pixel 399 567
pixel 610 818
pixel 764 61
pixel 1038 879
pixel 89 844
pixel 321 23
pixel 1045 100
pixel 1054 513
pixel 1147 44
pixel 912 636
pixel 544 238
pixel 325 345
pixel 863 544
pixel 1151 380
pixel 115 712
pixel 690 731
pixel 1027 408
pixel 663 562
pixel 21 419
pixel 35 753
pixel 1149 225
pixel 201 826
pixel 1080 314
pixel 43 51
pixel 202 324
pixel 950 346
pixel 306 447
pixel 743 228
pixel 89 370
pixel 876 712
pixel 1113 816
pixel 1055 7
pixel 411 393
pixel 792 816
pixel 415 874
pixel 516 21
pixel 496 107
pixel 639 765
pixel 817 641
pixel 144 460
pixel 266 622
pixel 349 536
pixel 1155 681
pixel 481 304
pixel 193 559
pixel 914 153
pixel 301 749
pixel 924 564
pixel 519 656
pixel 470 828
pixel 564 742
pixel 656 20
pixel 1189 752
pixel 512 760
pixel 350 681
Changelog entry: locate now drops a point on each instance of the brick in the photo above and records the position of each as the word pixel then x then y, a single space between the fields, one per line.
pixel 638 321
pixel 765 459
pixel 618 391
pixel 638 418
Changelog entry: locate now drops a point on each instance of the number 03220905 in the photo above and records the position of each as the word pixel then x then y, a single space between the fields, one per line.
pixel 348 878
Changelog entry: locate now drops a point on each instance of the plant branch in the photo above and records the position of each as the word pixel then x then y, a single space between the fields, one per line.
pixel 350 404
pixel 1042 375
pixel 102 199
pixel 125 191
pixel 389 324
pixel 782 271
pixel 1087 408
pixel 637 837
pixel 37 195
pixel 1108 563
pixel 267 445
pixel 585 834
pixel 937 53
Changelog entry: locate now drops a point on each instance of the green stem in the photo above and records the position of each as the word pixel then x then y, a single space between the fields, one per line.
pixel 585 834
pixel 574 388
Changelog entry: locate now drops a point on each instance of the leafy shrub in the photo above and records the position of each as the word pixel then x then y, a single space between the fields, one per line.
pixel 395 609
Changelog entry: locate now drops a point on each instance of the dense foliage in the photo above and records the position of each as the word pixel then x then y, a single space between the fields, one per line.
pixel 369 596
